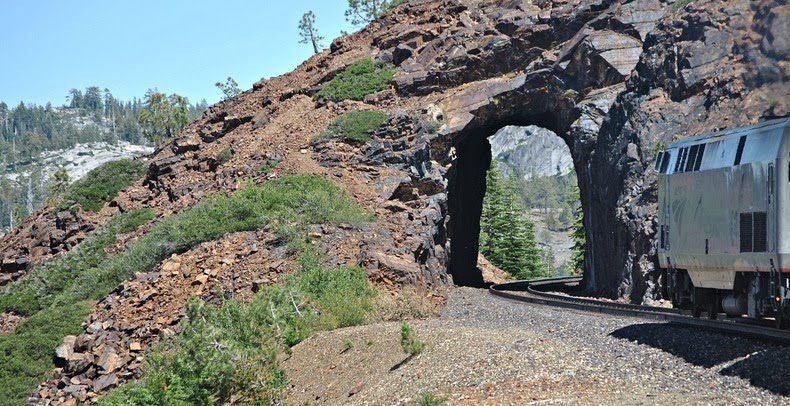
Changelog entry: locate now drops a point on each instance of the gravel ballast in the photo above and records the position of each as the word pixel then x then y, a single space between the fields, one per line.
pixel 484 349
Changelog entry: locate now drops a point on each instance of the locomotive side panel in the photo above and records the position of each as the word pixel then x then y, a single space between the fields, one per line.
pixel 704 228
pixel 720 218
pixel 724 222
pixel 782 193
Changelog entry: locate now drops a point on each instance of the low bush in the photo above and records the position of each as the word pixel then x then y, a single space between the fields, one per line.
pixel 224 156
pixel 429 399
pixel 102 184
pixel 344 296
pixel 408 340
pixel 348 345
pixel 26 353
pixel 266 167
pixel 355 126
pixel 361 78
pixel 221 352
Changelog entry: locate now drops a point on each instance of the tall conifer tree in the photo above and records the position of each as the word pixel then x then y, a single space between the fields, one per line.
pixel 507 234
pixel 309 32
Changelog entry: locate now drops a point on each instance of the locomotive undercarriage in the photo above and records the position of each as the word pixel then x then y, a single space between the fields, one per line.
pixel 755 294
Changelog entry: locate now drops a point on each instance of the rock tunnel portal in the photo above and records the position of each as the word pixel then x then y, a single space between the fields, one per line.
pixel 467 188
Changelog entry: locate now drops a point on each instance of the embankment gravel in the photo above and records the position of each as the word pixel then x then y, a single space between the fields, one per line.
pixel 488 350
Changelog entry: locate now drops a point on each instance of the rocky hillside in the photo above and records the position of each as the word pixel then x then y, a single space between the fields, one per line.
pixel 613 79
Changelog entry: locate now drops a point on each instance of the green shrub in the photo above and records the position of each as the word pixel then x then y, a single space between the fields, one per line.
pixel 217 354
pixel 344 294
pixel 224 155
pixel 361 78
pixel 429 399
pixel 408 340
pixel 355 126
pixel 102 184
pixel 268 166
pixel 26 353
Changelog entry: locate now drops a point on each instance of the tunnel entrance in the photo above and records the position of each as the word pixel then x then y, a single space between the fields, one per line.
pixel 551 162
pixel 531 204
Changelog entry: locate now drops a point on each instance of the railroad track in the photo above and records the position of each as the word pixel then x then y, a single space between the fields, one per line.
pixel 541 292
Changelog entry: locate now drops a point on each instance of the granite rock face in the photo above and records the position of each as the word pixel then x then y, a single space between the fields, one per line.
pixel 531 151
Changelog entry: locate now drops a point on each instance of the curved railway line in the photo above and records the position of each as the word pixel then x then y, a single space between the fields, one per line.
pixel 543 291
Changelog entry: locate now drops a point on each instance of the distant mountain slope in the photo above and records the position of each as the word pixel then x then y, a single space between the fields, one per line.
pixel 35 140
pixel 25 189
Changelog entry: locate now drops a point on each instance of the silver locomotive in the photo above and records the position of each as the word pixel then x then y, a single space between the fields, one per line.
pixel 724 221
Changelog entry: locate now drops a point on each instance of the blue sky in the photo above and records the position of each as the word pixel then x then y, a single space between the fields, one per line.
pixel 176 46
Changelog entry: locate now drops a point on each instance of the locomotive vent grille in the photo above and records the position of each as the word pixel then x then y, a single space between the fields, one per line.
pixel 760 231
pixel 746 232
pixel 689 159
pixel 754 232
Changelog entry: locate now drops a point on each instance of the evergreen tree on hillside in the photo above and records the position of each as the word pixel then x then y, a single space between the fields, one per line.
pixel 364 11
pixel 578 234
pixel 93 100
pixel 60 182
pixel 163 116
pixel 229 89
pixel 309 32
pixel 507 235
pixel 75 97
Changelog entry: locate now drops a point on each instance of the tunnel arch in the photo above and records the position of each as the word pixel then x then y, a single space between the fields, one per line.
pixel 542 100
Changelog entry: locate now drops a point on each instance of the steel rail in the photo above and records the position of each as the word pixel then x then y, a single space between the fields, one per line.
pixel 536 291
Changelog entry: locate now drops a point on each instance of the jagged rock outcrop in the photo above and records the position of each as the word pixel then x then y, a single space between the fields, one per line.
pixel 613 79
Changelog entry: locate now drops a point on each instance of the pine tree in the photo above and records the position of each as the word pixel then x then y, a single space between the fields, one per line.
pixel 60 182
pixel 162 116
pixel 364 11
pixel 309 32
pixel 578 235
pixel 229 89
pixel 507 234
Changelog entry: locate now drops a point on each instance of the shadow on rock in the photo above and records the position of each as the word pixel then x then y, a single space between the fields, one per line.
pixel 764 365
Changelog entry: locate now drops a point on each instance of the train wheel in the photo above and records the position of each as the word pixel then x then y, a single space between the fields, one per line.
pixel 780 322
pixel 712 309
pixel 696 311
